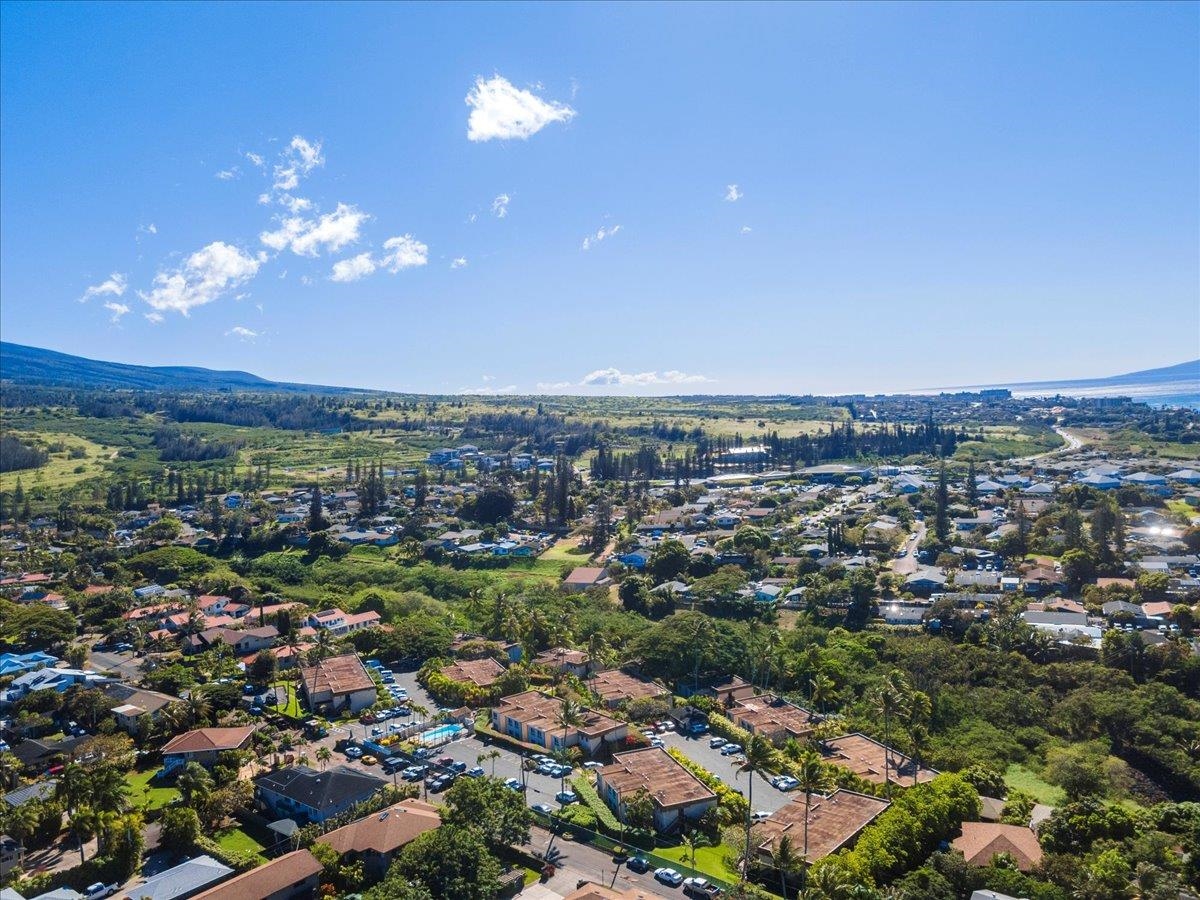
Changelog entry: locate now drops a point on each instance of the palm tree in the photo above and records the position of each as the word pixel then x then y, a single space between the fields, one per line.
pixel 820 691
pixel 84 821
pixel 10 769
pixel 784 859
pixel 889 699
pixel 74 786
pixel 324 754
pixel 813 778
pixel 493 755
pixel 198 708
pixel 109 790
pixel 570 715
pixel 758 756
pixel 692 841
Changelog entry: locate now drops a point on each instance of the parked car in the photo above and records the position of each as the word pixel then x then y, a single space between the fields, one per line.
pixel 565 797
pixel 657 742
pixel 543 808
pixel 369 760
pixel 353 752
pixel 700 887
pixel 457 767
pixel 512 784
pixel 475 772
pixel 760 815
pixel 731 749
pixel 668 876
pixel 716 742
pixel 638 863
pixel 593 765
pixel 99 890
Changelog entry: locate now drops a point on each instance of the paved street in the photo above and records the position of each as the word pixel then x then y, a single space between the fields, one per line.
pixel 908 563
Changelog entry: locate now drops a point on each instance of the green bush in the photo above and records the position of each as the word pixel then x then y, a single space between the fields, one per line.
pixel 592 800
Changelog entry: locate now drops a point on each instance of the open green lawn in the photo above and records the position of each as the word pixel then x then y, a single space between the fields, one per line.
pixel 709 861
pixel 142 793
pixel 237 841
pixel 1019 778
pixel 61 470
pixel 293 708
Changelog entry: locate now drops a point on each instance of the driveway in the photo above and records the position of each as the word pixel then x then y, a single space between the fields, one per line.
pixel 907 564
pixel 697 750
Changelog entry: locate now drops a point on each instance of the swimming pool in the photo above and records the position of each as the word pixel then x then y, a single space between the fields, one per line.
pixel 441 735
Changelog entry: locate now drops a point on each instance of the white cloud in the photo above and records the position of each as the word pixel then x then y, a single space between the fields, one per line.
pixel 114 285
pixel 612 376
pixel 405 252
pixel 472 217
pixel 733 193
pixel 154 318
pixel 746 229
pixel 488 390
pixel 256 159
pixel 600 235
pixel 307 237
pixel 117 309
pixel 354 268
pixel 241 333
pixel 500 111
pixel 500 206
pixel 148 229
pixel 264 199
pixel 296 205
pixel 229 174
pixel 297 160
pixel 204 277
pixel 458 262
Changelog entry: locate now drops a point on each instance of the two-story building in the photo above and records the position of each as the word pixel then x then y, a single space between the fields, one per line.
pixel 533 717
pixel 676 793
pixel 306 795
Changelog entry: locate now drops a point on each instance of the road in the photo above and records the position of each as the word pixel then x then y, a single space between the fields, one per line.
pixel 907 564
pixel 1073 444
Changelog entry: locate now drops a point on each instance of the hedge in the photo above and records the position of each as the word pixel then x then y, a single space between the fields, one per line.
pixel 727 798
pixel 241 862
pixel 588 795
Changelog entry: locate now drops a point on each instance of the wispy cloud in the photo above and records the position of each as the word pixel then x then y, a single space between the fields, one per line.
pixel 404 252
pixel 229 174
pixel 500 111
pixel 733 193
pixel 613 377
pixel 241 333
pixel 113 286
pixel 153 318
pixel 256 159
pixel 746 229
pixel 500 206
pixel 307 237
pixel 458 262
pixel 601 234
pixel 117 309
pixel 205 276
pixel 298 159
pixel 488 390
pixel 352 269
pixel 148 229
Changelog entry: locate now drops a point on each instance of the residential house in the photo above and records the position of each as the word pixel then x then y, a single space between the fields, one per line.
pixel 136 708
pixel 293 876
pixel 981 841
pixel 479 672
pixel 375 840
pixel 925 581
pixel 616 686
pixel 340 623
pixel 564 659
pixel 337 683
pixel 870 760
pixel 50 680
pixel 585 577
pixel 204 745
pixel 307 796
pixel 676 793
pixel 180 882
pixel 12 855
pixel 532 717
pixel 772 717
pixel 243 642
pixel 833 823
pixel 19 663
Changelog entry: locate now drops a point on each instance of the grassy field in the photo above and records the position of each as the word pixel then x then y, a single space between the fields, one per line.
pixel 237 841
pixel 1129 441
pixel 62 470
pixel 143 794
pixel 709 861
pixel 1005 441
pixel 1019 778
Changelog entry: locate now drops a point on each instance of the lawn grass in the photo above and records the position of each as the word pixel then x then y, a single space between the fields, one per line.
pixel 710 861
pixel 292 709
pixel 142 793
pixel 1020 778
pixel 60 470
pixel 237 841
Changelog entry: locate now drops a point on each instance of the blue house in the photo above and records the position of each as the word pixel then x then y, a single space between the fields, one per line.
pixel 18 663
pixel 635 559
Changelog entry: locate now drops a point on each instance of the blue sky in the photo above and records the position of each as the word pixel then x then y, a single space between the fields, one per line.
pixel 925 195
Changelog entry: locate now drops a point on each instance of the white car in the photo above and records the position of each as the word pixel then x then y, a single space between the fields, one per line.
pixel 98 891
pixel 716 742
pixel 668 876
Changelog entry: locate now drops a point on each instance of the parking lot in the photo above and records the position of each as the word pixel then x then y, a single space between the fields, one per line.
pixel 698 751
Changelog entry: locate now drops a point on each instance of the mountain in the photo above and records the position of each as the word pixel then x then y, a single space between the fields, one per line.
pixel 1169 386
pixel 33 365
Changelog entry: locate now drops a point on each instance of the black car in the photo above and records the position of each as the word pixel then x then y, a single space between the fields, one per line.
pixel 457 767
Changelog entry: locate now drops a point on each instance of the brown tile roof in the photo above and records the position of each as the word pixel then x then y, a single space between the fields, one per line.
pixel 980 841
pixel 768 715
pixel 206 739
pixel 386 831
pixel 600 892
pixel 667 782
pixel 865 758
pixel 562 656
pixel 833 821
pixel 585 575
pixel 343 674
pixel 541 711
pixel 266 879
pixel 617 686
pixel 480 672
